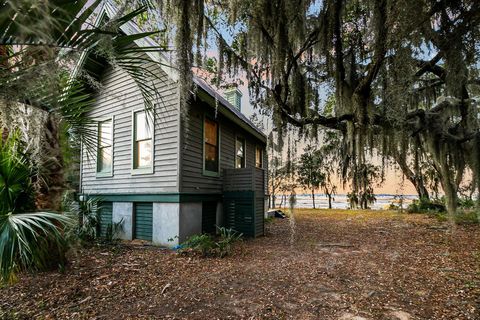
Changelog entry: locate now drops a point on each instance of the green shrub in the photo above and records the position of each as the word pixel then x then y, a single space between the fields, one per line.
pixel 28 241
pixel 202 244
pixel 16 172
pixel 466 203
pixel 84 212
pixel 112 231
pixel 467 217
pixel 207 245
pixel 424 205
pixel 227 238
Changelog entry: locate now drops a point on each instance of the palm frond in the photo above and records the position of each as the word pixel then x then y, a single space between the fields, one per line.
pixel 28 241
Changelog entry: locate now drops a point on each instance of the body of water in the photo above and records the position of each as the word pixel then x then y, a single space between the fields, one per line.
pixel 341 202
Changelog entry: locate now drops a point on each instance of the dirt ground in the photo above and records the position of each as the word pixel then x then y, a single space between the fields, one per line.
pixel 335 265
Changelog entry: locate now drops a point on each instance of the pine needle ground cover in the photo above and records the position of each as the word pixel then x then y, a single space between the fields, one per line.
pixel 340 265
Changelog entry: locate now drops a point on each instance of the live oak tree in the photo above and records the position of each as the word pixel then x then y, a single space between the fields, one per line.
pixel 404 74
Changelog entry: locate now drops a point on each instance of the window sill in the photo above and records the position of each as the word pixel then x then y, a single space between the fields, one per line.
pixel 211 173
pixel 104 174
pixel 142 171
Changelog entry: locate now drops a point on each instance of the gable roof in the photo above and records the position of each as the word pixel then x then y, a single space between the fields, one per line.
pixel 206 92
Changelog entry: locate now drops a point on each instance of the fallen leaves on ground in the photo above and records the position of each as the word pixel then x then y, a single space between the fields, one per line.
pixel 337 265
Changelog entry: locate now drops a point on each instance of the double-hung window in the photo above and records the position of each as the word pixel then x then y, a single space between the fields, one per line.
pixel 105 148
pixel 239 152
pixel 142 142
pixel 258 157
pixel 211 147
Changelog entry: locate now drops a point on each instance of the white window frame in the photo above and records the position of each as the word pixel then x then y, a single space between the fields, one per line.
pixel 206 172
pixel 261 157
pixel 142 170
pixel 244 152
pixel 105 174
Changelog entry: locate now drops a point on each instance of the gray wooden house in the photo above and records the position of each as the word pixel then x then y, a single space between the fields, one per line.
pixel 165 178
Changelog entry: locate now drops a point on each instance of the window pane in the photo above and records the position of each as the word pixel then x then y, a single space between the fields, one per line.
pixel 211 158
pixel 105 159
pixel 211 145
pixel 239 148
pixel 142 126
pixel 144 153
pixel 240 153
pixel 211 132
pixel 258 157
pixel 105 133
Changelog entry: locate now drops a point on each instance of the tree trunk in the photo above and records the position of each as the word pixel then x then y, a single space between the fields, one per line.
pixel 313 198
pixel 329 200
pixel 49 192
pixel 451 198
pixel 416 179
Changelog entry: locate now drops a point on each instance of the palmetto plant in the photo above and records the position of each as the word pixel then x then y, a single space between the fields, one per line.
pixel 40 43
pixel 15 173
pixel 27 240
pixel 32 241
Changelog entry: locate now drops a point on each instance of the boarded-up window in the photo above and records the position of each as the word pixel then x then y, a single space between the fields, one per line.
pixel 211 154
pixel 240 152
pixel 105 142
pixel 143 145
pixel 258 157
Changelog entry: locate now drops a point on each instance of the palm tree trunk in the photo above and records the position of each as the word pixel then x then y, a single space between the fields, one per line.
pixel 49 192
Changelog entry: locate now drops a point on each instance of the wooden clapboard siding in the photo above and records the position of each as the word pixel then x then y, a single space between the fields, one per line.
pixel 192 177
pixel 118 98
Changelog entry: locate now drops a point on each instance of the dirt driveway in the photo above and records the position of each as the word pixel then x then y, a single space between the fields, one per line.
pixel 336 265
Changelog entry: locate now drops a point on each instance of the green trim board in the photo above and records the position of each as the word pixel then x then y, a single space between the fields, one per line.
pixel 162 197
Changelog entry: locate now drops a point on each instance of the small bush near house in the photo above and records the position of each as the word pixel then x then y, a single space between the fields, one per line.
pixel 228 238
pixel 207 245
pixel 202 244
pixel 112 231
pixel 85 215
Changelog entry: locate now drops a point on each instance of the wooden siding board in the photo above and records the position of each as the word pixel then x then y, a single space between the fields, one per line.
pixel 119 97
pixel 193 179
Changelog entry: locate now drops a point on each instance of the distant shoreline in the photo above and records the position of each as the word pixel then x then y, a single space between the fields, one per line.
pixel 340 201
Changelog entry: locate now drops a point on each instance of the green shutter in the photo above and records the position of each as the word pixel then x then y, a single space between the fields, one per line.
pixel 209 216
pixel 239 211
pixel 143 221
pixel 104 217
